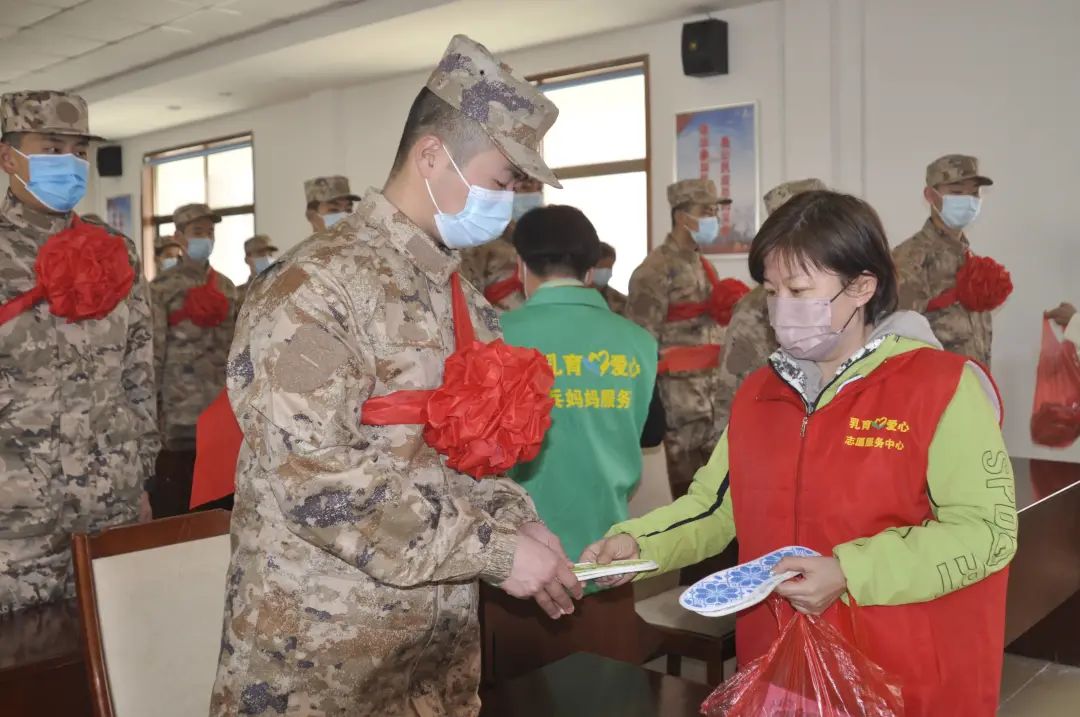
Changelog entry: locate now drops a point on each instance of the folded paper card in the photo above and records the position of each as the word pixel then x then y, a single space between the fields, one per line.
pixel 592 571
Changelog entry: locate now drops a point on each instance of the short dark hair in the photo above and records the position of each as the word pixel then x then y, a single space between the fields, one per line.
pixel 835 232
pixel 12 139
pixel 557 239
pixel 313 205
pixel 430 114
pixel 606 251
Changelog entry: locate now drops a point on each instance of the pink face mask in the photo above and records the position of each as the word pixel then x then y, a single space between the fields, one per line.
pixel 804 326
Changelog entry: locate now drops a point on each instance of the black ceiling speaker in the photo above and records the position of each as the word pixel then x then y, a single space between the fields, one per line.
pixel 704 48
pixel 110 162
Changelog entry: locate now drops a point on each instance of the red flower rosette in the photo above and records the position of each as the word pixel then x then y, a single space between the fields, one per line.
pixel 204 305
pixel 982 284
pixel 725 294
pixel 82 271
pixel 493 408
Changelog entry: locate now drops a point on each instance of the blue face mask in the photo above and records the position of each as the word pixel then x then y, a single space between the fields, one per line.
pixel 331 219
pixel 959 210
pixel 524 201
pixel 262 263
pixel 601 277
pixel 484 217
pixel 57 180
pixel 200 248
pixel 169 262
pixel 707 230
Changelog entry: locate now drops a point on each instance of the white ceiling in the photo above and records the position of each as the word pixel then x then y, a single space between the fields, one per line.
pixel 146 65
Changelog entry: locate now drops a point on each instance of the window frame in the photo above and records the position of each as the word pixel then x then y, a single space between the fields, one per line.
pixel 626 166
pixel 151 222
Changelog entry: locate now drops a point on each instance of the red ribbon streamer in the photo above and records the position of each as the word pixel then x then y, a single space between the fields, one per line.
pixel 205 305
pixel 23 302
pixel 217 448
pixel 678 359
pixel 502 289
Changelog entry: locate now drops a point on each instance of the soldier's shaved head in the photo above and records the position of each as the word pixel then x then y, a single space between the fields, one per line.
pixel 430 115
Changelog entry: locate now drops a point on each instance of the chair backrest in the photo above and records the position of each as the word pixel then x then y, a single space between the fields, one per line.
pixel 151 602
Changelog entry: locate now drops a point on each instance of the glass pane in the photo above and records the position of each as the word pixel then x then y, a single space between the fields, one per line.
pixel 178 183
pixel 599 121
pixel 229 238
pixel 166 230
pixel 232 178
pixel 617 205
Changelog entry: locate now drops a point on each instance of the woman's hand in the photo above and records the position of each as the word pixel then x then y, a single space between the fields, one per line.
pixel 606 550
pixel 822 582
pixel 1062 314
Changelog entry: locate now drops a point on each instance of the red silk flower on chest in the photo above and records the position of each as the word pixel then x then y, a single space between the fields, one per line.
pixel 982 284
pixel 204 305
pixel 83 272
pixel 492 410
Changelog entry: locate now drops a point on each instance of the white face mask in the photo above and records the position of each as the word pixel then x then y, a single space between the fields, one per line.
pixel 484 217
pixel 601 277
pixel 958 210
pixel 330 220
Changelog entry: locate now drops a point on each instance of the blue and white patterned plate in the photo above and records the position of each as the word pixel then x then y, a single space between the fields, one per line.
pixel 742 586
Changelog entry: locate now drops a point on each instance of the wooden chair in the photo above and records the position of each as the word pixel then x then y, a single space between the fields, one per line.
pixel 151 602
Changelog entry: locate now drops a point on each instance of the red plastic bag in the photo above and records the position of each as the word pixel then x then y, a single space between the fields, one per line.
pixel 810 671
pixel 1055 414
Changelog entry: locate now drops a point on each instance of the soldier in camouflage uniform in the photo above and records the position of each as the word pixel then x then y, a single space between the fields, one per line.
pixel 493 267
pixel 352 589
pixel 78 431
pixel 750 339
pixel 927 263
pixel 329 200
pixel 673 274
pixel 615 299
pixel 189 359
pixel 168 251
pixel 259 253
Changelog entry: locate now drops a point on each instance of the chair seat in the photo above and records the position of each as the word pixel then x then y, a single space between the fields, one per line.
pixel 664 611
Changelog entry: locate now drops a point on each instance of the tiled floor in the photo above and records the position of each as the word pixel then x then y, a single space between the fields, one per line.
pixel 1029 688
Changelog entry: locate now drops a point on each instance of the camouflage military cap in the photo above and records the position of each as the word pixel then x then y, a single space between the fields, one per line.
pixel 45 111
pixel 775 197
pixel 258 242
pixel 190 212
pixel 954 168
pixel 513 112
pixel 164 242
pixel 694 191
pixel 327 189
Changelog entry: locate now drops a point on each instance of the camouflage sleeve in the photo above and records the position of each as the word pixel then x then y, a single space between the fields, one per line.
pixel 647 301
pixel 160 321
pixel 913 283
pixel 747 346
pixel 510 504
pixel 297 380
pixel 138 372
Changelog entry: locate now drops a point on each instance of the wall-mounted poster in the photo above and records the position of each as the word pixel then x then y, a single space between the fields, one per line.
pixel 721 144
pixel 118 213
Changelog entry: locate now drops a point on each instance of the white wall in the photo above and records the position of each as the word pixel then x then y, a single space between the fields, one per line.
pixel 861 93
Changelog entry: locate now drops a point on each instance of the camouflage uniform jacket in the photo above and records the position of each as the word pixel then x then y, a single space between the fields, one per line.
pixel 926 265
pixel 78 432
pixel 749 342
pixel 190 360
pixel 352 588
pixel 491 263
pixel 615 299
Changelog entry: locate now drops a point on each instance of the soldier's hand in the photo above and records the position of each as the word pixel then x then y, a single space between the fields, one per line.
pixel 1062 314
pixel 146 513
pixel 541 534
pixel 540 574
pixel 606 550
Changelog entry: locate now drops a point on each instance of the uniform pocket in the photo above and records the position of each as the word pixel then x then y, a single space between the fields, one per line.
pixel 29 504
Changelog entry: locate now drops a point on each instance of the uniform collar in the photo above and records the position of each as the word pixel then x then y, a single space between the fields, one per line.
pixel 433 259
pixel 932 230
pixel 551 293
pixel 44 223
pixel 682 246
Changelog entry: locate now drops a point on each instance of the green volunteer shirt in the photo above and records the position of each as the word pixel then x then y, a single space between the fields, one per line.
pixel 605 369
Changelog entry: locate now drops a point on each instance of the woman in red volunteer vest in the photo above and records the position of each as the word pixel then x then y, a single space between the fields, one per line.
pixel 862 440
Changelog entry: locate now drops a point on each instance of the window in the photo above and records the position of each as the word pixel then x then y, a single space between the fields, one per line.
pixel 219 173
pixel 599 149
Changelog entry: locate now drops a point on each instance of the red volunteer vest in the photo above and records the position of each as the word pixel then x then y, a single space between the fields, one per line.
pixel 854 468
